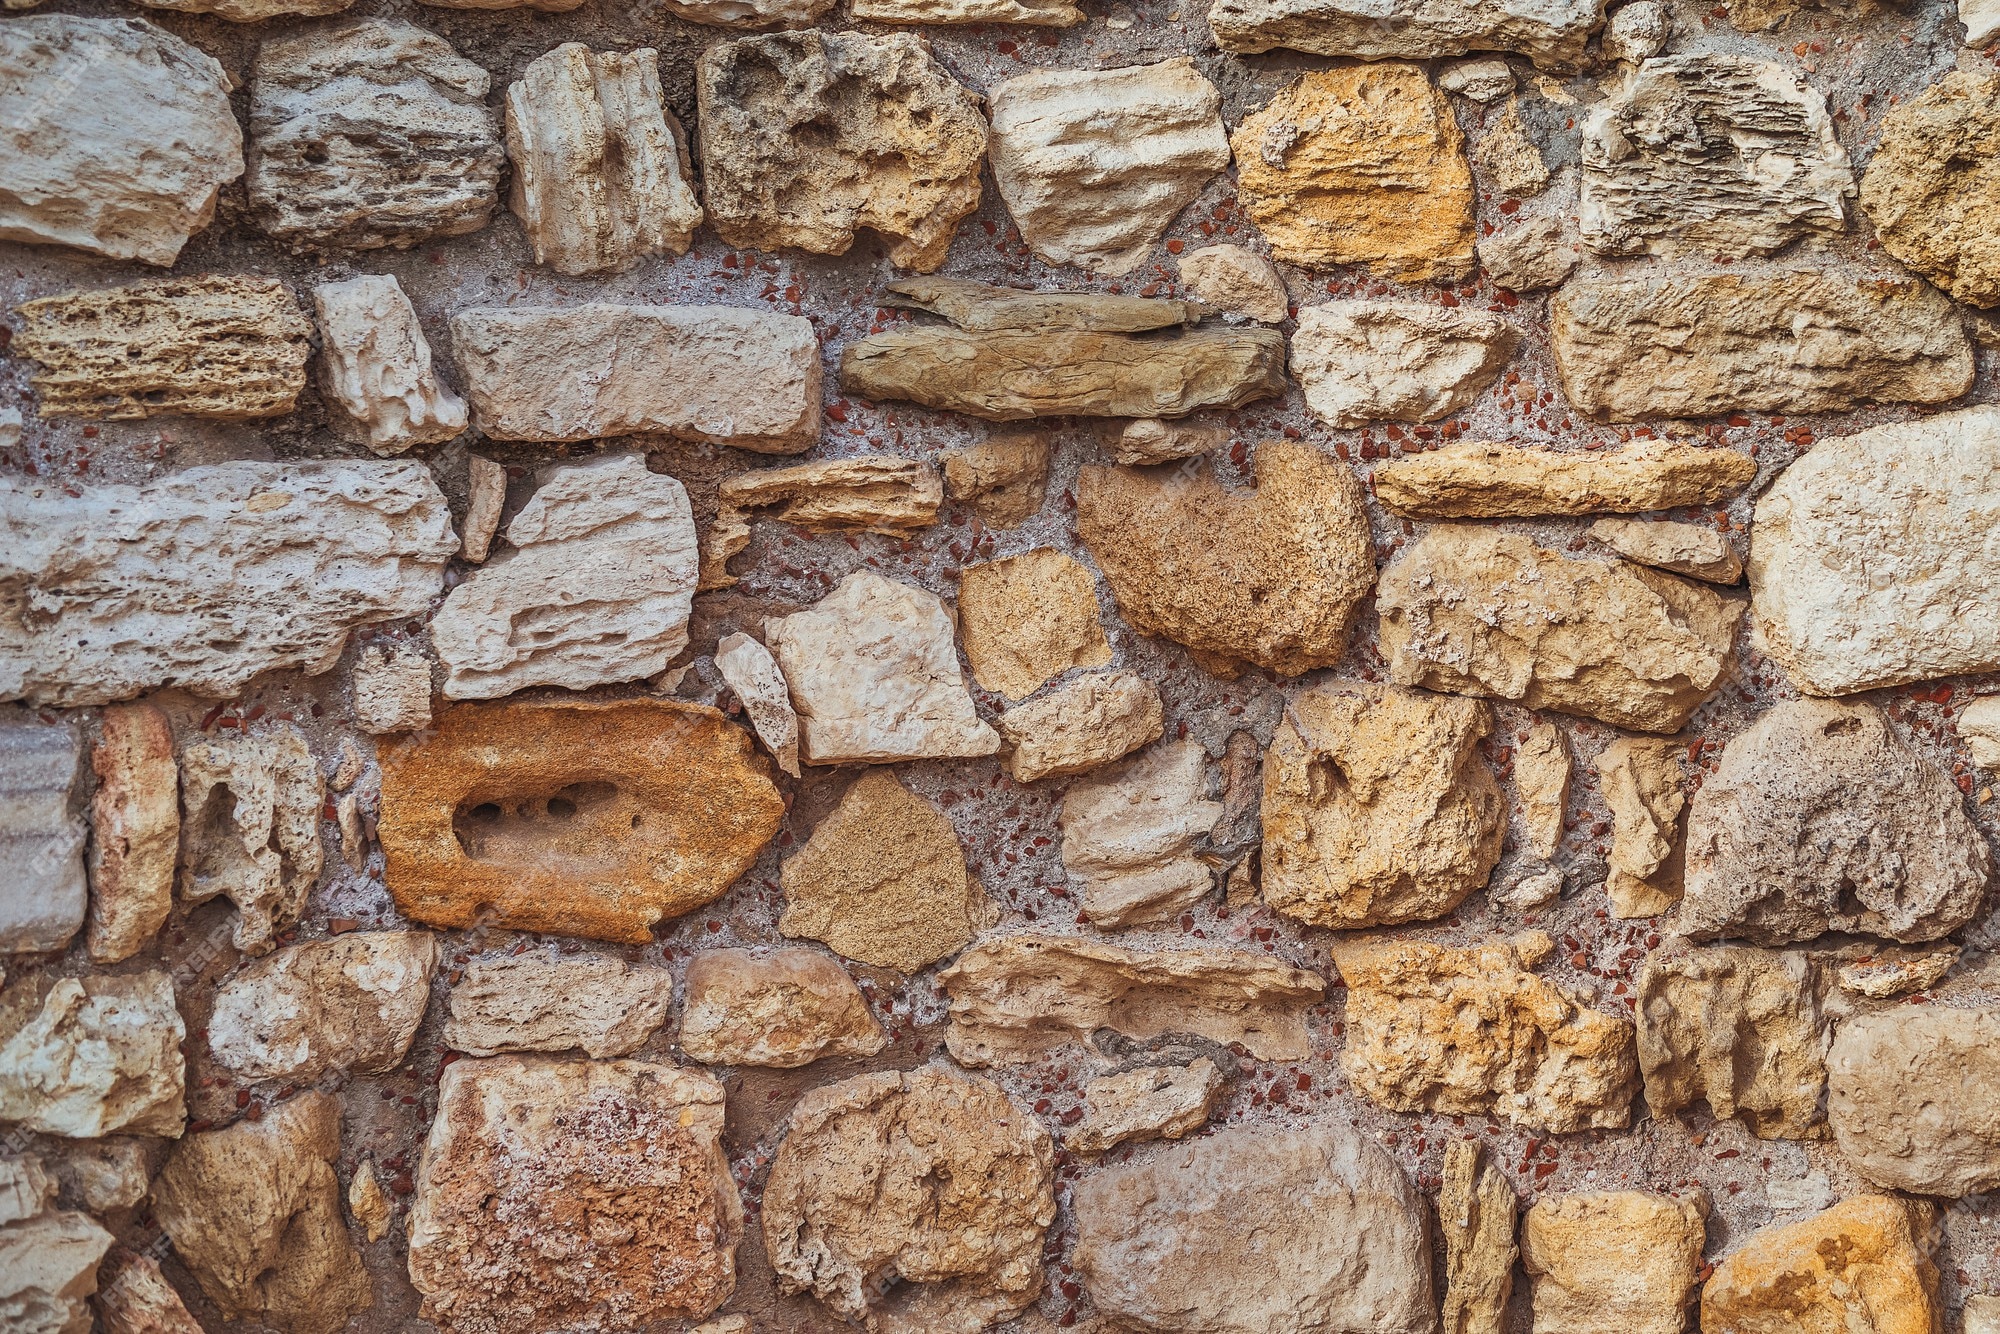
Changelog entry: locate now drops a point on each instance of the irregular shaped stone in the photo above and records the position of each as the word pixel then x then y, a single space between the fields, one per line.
pixel 783 1009
pixel 486 496
pixel 1979 724
pixel 1636 31
pixel 27 1187
pixel 370 133
pixel 100 1055
pixel 1481 479
pixel 895 144
pixel 48 1272
pixel 883 880
pixel 749 379
pixel 597 589
pixel 1476 1214
pixel 1613 1261
pixel 1926 189
pixel 601 171
pixel 139 1300
pixel 986 308
pixel 125 143
pixel 1252 1230
pixel 1820 818
pixel 1894 972
pixel 1377 808
pixel 368 1203
pixel 1486 80
pixel 1002 479
pixel 1507 157
pixel 1539 253
pixel 1742 1029
pixel 252 11
pixel 375 367
pixel 1911 1098
pixel 874 676
pixel 750 671
pixel 1081 725
pixel 1029 618
pixel 392 689
pixel 1528 894
pixel 210 576
pixel 351 1003
pixel 107 1175
pixel 42 896
pixel 1235 281
pixel 1151 440
pixel 1015 997
pixel 750 13
pixel 1682 548
pixel 597 819
pixel 1275 577
pixel 1471 1032
pixel 1129 836
pixel 871 493
pixel 1642 784
pixel 1866 1265
pixel 1711 153
pixel 533 1161
pixel 958 1182
pixel 1630 349
pixel 1541 787
pixel 251 802
pixel 1362 165
pixel 1152 1102
pixel 1982 1313
pixel 1094 165
pixel 1041 13
pixel 1364 361
pixel 1552 36
pixel 531 1002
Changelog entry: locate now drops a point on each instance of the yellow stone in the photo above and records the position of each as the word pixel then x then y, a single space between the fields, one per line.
pixel 1861 1267
pixel 1028 619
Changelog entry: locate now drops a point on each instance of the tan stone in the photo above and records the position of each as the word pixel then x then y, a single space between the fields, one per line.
pixel 1680 548
pixel 1479 479
pixel 1978 724
pixel 1082 725
pixel 1929 189
pixel 783 1009
pixel 107 1175
pixel 1362 165
pixel 1506 154
pixel 375 368
pixel 596 819
pixel 989 308
pixel 1913 1096
pixel 139 1300
pixel 1483 80
pixel 1864 1266
pixel 1476 1214
pixel 135 826
pixel 750 671
pixel 1614 1261
pixel 1152 440
pixel 1538 253
pixel 368 1203
pixel 1552 36
pixel 486 497
pixel 1003 479
pixel 870 493
pixel 1236 281
pixel 392 689
pixel 1982 1311
pixel 1041 13
pixel 1152 1102
pixel 352 1002
pixel 1129 836
pixel 750 13
pixel 1893 972
pixel 1027 619
pixel 1642 784
pixel 1365 361
pixel 48 1271
pixel 1541 787
pixel 531 1002
pixel 252 11
pixel 250 803
pixel 100 1055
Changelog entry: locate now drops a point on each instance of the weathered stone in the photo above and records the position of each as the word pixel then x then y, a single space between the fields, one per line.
pixel 486 497
pixel 1982 1312
pixel 1820 818
pixel 532 1163
pixel 1539 253
pixel 1682 548
pixel 597 589
pixel 1152 1102
pixel 750 13
pixel 1642 783
pixel 1484 80
pixel 595 819
pixel 895 144
pixel 1864 1265
pixel 1041 13
pixel 370 133
pixel 1552 36
pixel 870 493
pixel 1275 577
pixel 987 308
pixel 1470 1032
pixel 1081 725
pixel 785 1009
pixel 42 895
pixel 1913 1096
pixel 1478 479
pixel 716 374
pixel 107 1175
pixel 1377 807
pixel 1003 479
pixel 1927 190
pixel 48 1271
pixel 1095 164
pixel 883 880
pixel 27 1187
pixel 1476 1214
pixel 124 143
pixel 1711 153
pixel 601 171
pixel 375 367
pixel 1129 836
pixel 1029 618
pixel 1507 157
pixel 1151 440
pixel 1483 612
pixel 959 1188
pixel 368 1203
pixel 139 1300
pixel 1362 165
pixel 1636 348
pixel 1255 1230
pixel 874 675
pixel 392 689
pixel 349 1003
pixel 1740 1028
pixel 750 671
pixel 1636 31
pixel 1613 1261
pixel 252 11
pixel 1236 281
pixel 1894 972
pixel 251 803
pixel 1979 724
pixel 532 1002
pixel 1530 893
pixel 100 1055
pixel 1541 787
pixel 210 576
pixel 1982 23
pixel 1015 997
pixel 1365 361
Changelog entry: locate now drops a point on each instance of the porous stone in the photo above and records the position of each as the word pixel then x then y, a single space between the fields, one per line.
pixel 1274 577
pixel 48 1272
pixel 1507 157
pixel 1027 619
pixel 1486 80
pixel 1927 190
pixel 42 896
pixel 1537 254
pixel 1911 1097
pixel 785 1008
pixel 99 1056
pixel 351 1003
pixel 368 1203
pixel 1681 548
pixel 1894 972
pixel 1129 836
pixel 1152 1102
pixel 375 367
pixel 1979 724
pixel 750 13
pixel 1864 1265
pixel 139 1300
pixel 1471 1032
pixel 392 689
pixel 1235 281
pixel 252 11
pixel 534 1002
pixel 596 819
pixel 1552 36
pixel 1642 783
pixel 601 171
pixel 1003 479
pixel 125 142
pixel 1377 807
pixel 1613 1261
pixel 869 493
pixel 1476 1214
pixel 1480 479
pixel 210 576
pixel 1095 164
pixel 533 1162
pixel 1362 165
pixel 596 590
pixel 750 671
pixel 1015 997
pixel 895 144
pixel 486 497
pixel 1636 31
pixel 1820 818
pixel 1479 611
pixel 1082 725
pixel 1364 361
pixel 749 379
pixel 1258 1229
pixel 1541 787
pixel 250 830
pixel 874 675
pixel 1151 440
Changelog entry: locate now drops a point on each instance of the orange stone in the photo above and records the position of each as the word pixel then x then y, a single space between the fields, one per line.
pixel 1864 1264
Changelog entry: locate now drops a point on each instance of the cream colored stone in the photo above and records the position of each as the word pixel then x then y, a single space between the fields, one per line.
pixel 252 11
pixel 392 689
pixel 1507 157
pixel 375 366
pixel 368 1203
pixel 1550 35
pixel 1867 1264
pixel 1613 1261
pixel 872 493
pixel 1927 190
pixel 1892 972
pixel 533 1002
pixel 1152 1102
pixel 250 830
pixel 1691 549
pixel 750 671
pixel 988 308
pixel 1129 835
pixel 139 1300
pixel 783 1009
pixel 1642 784
pixel 1082 725
pixel 48 1272
pixel 1480 479
pixel 1027 619
pixel 350 1003
pixel 1476 1214
pixel 100 1055
pixel 1536 254
pixel 486 497
pixel 1979 725
pixel 1484 80
pixel 1982 1313
pixel 749 13
pixel 1002 479
pixel 541 6
pixel 42 894
pixel 27 1187
pixel 1541 787
pixel 1151 440
pixel 1041 13
pixel 1530 893
pixel 1913 1096
pixel 1636 31
pixel 1364 361
pixel 1235 281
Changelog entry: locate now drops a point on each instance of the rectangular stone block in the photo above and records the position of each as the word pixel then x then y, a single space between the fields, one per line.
pixel 41 840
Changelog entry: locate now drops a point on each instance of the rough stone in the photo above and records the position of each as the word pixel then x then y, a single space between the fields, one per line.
pixel 1151 440
pixel 1636 31
pixel 1982 1312
pixel 100 1055
pixel 48 1271
pixel 1552 36
pixel 786 1008
pixel 1820 818
pixel 107 1175
pixel 596 819
pixel 1541 787
pixel 1027 619
pixel 210 576
pixel 27 1187
pixel 1366 361
pixel 1470 1032
pixel 1485 80
pixel 533 1162
pixel 1894 972
pixel 250 830
pixel 869 493
pixel 1040 13
pixel 368 1203
pixel 987 308
pixel 252 11
pixel 1483 612
pixel 1129 836
pixel 1642 783
pixel 597 589
pixel 1928 191
pixel 1979 725
pixel 750 13
pixel 1537 254
pixel 139 1300
pixel 1014 997
pixel 874 675
pixel 1377 807
pixel 1479 479
pixel 392 689
pixel 486 497
pixel 1507 157
pixel 750 671
pixel 1864 1265
pixel 1530 893
pixel 1613 1261
pixel 1275 577
pixel 1152 1102
pixel 1235 281
pixel 895 144
pixel 352 1002
pixel 375 367
pixel 1911 1096
pixel 1003 480
pixel 533 1002
pixel 1476 1215
pixel 1681 548
pixel 601 171
pixel 125 144
pixel 1082 725
pixel 43 895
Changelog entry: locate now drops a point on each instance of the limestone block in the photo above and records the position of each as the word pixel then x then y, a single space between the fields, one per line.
pixel 375 367
pixel 351 1002
pixel 1613 1261
pixel 1979 724
pixel 1027 619
pixel 1480 479
pixel 1483 80
pixel 135 823
pixel 99 1056
pixel 1152 1102
pixel 1365 361
pixel 367 1203
pixel 1636 31
pixel 750 671
pixel 250 833
pixel 1865 1264
pixel 784 1009
pixel 1642 783
pixel 1476 1214
pixel 1680 548
pixel 1982 1312
pixel 1082 725
pixel 1892 972
pixel 987 308
pixel 139 1300
pixel 1539 253
pixel 1507 157
pixel 1926 189
pixel 1040 13
pixel 1914 1098
pixel 392 689
pixel 1552 36
pixel 872 493
pixel 48 1272
pixel 1541 787
pixel 1235 281
pixel 1151 440
pixel 42 895
pixel 1002 479
pixel 1128 835
pixel 532 1002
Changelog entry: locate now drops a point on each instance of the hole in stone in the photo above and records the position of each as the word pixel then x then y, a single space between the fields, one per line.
pixel 562 808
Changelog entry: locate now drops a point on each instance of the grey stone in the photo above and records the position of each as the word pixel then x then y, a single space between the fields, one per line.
pixel 42 894
pixel 1914 1098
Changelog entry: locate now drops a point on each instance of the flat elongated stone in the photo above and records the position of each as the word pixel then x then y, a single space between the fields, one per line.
pixel 1082 724
pixel 42 897
pixel 1129 836
pixel 352 1002
pixel 376 367
pixel 1152 1102
pixel 750 671
pixel 1364 361
pixel 250 831
pixel 1679 548
pixel 1914 1098
pixel 531 1002
pixel 987 307
pixel 785 1009
pixel 252 11
pixel 1893 972
pixel 486 497
pixel 873 493
pixel 1541 786
pixel 1476 1214
pixel 1613 1261
pixel 1040 13
pixel 1480 479
pixel 1926 189
pixel 594 819
pixel 135 825
pixel 1865 1264
pixel 101 1055
pixel 48 1272
pixel 1642 783
pixel 1552 35
pixel 749 13
pixel 1027 619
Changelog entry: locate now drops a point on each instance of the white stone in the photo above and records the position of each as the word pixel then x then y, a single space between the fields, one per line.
pixel 1363 361
pixel 1982 23
pixel 26 1188
pixel 42 894
pixel 1636 31
pixel 350 1002
pixel 1813 1192
pixel 48 1271
pixel 1082 725
pixel 1530 893
pixel 392 689
pixel 597 589
pixel 748 668
pixel 1982 1313
pixel 486 496
pixel 1042 13
pixel 250 828
pixel 532 1002
pixel 1979 724
pixel 101 1055
pixel 1552 35
pixel 1152 1102
pixel 1481 80
pixel 1236 281
pixel 1129 836
pixel 375 366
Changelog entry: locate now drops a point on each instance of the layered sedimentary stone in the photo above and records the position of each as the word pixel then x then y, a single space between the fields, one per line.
pixel 100 1055
pixel 1679 548
pixel 1480 479
pixel 1476 1214
pixel 1541 786
pixel 1865 1264
pixel 392 689
pixel 1613 1261
pixel 1893 972
pixel 1152 1102
pixel 1237 281
pixel 1553 36
pixel 1914 1098
pixel 375 366
pixel 988 308
pixel 250 805
pixel 594 819
pixel 871 493
pixel 1928 190
pixel 48 1272
pixel 1539 253
pixel 1129 836
pixel 352 1002
pixel 750 671
pixel 1082 724
pixel 1636 31
pixel 1027 619
pixel 124 142
pixel 135 823
pixel 749 14
pixel 894 146
pixel 1151 440
pixel 1363 361
pixel 785 1008
pixel 1041 13
pixel 1483 80
pixel 1642 784
pixel 137 1299
pixel 42 897
pixel 1274 577
pixel 1003 480
pixel 532 1002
